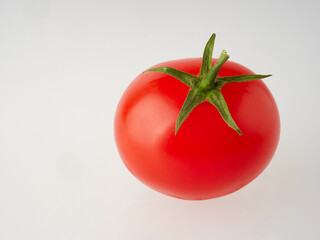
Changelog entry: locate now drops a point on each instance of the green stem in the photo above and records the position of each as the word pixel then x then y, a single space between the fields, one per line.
pixel 208 81
pixel 207 86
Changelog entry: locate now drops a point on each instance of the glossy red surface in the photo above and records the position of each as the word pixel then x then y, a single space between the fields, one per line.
pixel 206 159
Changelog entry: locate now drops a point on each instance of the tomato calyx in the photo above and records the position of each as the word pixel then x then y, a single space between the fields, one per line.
pixel 207 86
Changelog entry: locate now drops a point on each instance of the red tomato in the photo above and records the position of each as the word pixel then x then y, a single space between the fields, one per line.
pixel 206 159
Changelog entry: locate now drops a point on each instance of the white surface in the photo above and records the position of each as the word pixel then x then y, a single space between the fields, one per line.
pixel 63 68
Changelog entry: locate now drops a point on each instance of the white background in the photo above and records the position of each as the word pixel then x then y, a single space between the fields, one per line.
pixel 63 68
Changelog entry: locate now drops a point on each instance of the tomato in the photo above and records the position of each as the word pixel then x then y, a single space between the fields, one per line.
pixel 205 158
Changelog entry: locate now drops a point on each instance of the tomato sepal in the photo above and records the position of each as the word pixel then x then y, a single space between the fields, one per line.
pixel 188 79
pixel 216 98
pixel 221 81
pixel 193 99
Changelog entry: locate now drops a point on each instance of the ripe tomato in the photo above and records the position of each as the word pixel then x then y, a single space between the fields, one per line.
pixel 206 158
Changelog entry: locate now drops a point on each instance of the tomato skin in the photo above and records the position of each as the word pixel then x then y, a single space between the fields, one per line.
pixel 207 158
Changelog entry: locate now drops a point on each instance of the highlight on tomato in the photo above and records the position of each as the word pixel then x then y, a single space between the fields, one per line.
pixel 197 128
